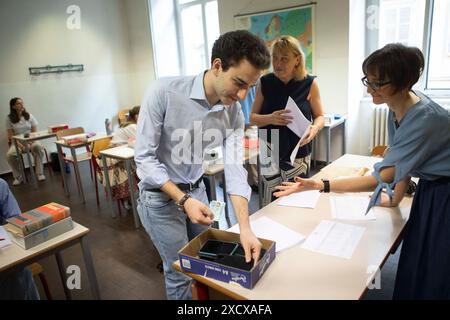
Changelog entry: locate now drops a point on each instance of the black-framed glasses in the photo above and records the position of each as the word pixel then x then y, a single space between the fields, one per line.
pixel 374 85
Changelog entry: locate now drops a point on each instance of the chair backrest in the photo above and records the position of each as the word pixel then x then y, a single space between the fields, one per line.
pixel 378 151
pixel 68 132
pixel 100 145
pixel 122 116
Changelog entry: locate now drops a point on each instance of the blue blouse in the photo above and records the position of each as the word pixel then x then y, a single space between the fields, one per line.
pixel 419 146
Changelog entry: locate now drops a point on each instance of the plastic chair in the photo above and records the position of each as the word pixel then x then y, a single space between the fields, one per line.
pixel 122 116
pixel 378 151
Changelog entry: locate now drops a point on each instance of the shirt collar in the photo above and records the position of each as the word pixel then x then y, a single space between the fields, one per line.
pixel 198 90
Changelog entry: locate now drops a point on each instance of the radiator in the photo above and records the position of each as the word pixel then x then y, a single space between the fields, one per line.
pixel 379 126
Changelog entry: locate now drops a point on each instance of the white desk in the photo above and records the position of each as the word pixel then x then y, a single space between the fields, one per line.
pixel 126 154
pixel 297 273
pixel 60 144
pixel 34 136
pixel 14 257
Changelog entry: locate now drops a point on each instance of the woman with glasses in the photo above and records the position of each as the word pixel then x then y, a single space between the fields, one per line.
pixel 288 79
pixel 419 139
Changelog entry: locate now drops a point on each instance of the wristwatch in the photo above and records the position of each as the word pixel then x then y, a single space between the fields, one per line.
pixel 326 186
pixel 180 204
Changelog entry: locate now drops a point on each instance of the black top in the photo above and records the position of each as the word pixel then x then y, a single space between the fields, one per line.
pixel 276 95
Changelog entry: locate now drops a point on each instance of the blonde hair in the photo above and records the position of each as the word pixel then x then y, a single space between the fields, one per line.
pixel 292 44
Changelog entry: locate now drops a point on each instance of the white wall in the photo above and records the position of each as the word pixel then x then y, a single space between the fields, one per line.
pixel 113 44
pixel 331 48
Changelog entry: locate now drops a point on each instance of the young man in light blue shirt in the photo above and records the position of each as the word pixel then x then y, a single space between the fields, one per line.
pixel 180 118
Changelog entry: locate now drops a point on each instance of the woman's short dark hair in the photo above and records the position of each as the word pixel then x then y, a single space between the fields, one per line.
pixel 234 46
pixel 13 116
pixel 133 113
pixel 400 64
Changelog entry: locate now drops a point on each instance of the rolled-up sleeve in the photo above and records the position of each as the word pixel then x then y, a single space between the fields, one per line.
pixel 235 174
pixel 151 172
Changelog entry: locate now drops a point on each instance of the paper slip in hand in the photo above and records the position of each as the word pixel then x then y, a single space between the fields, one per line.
pixel 217 208
pixel 334 238
pixel 293 155
pixel 351 208
pixel 305 199
pixel 268 229
pixel 4 235
pixel 299 125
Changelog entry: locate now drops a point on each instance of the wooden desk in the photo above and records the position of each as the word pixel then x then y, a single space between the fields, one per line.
pixel 297 273
pixel 34 136
pixel 14 257
pixel 212 171
pixel 126 154
pixel 60 144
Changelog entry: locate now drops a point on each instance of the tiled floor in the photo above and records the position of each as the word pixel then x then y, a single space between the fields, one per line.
pixel 124 257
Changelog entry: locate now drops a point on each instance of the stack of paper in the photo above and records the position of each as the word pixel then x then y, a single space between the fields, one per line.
pixel 299 125
pixel 351 208
pixel 305 199
pixel 334 238
pixel 4 238
pixel 268 229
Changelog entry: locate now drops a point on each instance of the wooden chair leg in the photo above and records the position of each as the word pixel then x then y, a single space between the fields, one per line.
pixel 49 167
pixel 120 207
pixel 45 286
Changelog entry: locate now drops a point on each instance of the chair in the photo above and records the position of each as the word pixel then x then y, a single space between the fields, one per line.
pixel 378 151
pixel 122 116
pixel 37 270
pixel 86 156
pixel 98 146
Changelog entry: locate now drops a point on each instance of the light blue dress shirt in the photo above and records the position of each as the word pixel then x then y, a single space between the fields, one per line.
pixel 419 147
pixel 174 129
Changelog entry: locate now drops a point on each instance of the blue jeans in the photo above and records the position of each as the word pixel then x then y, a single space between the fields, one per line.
pixel 170 230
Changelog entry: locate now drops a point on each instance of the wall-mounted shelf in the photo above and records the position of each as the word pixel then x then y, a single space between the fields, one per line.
pixel 35 71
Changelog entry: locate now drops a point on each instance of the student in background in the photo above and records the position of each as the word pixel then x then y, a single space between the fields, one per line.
pixel 19 121
pixel 288 79
pixel 419 140
pixel 173 206
pixel 118 177
pixel 17 285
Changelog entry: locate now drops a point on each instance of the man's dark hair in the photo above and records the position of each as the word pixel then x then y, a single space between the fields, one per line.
pixel 400 64
pixel 232 47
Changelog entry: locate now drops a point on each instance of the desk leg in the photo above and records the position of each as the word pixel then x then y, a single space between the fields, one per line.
pixel 33 174
pixel 260 182
pixel 62 274
pixel 131 188
pixel 343 138
pixel 328 144
pixel 21 165
pixel 108 186
pixel 77 173
pixel 90 268
pixel 213 187
pixel 63 169
pixel 225 199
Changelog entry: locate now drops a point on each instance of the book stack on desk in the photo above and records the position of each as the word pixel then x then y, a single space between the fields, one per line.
pixel 75 138
pixel 58 127
pixel 39 225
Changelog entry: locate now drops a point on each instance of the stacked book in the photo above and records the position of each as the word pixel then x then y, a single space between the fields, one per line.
pixel 57 127
pixel 75 139
pixel 39 225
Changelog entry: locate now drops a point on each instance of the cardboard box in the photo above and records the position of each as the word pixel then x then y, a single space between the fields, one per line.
pixel 44 234
pixel 190 261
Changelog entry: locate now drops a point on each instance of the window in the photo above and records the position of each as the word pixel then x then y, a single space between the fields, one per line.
pixel 421 23
pixel 183 33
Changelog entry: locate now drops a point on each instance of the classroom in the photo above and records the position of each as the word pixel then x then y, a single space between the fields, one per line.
pixel 224 149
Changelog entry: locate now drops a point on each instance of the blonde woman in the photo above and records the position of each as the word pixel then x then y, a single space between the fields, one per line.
pixel 288 79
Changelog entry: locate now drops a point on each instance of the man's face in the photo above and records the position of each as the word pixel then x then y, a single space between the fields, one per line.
pixel 233 85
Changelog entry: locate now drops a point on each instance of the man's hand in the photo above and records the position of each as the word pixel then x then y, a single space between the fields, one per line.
pixel 251 245
pixel 198 212
pixel 300 184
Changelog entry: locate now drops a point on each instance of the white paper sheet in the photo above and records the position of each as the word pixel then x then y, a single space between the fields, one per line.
pixel 293 155
pixel 351 208
pixel 268 229
pixel 4 235
pixel 299 124
pixel 334 238
pixel 306 199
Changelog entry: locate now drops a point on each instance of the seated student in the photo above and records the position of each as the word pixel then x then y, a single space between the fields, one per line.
pixel 118 177
pixel 19 121
pixel 17 285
